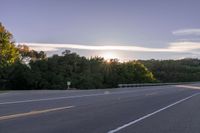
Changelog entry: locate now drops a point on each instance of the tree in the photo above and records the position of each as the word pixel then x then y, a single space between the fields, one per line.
pixel 8 52
pixel 25 52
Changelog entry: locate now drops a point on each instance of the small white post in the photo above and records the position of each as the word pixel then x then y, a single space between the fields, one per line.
pixel 68 84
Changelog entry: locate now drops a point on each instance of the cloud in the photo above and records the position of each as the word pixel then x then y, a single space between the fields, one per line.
pixel 54 47
pixel 187 32
pixel 184 46
pixel 43 48
pixel 176 47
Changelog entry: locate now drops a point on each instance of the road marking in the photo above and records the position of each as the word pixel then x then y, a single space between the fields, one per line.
pixel 151 114
pixel 189 86
pixel 106 92
pixel 33 113
pixel 150 94
pixel 3 93
pixel 77 96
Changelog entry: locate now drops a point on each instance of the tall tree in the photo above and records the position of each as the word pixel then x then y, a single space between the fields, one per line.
pixel 8 52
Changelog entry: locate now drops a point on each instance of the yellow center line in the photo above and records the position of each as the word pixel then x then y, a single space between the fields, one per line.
pixel 33 113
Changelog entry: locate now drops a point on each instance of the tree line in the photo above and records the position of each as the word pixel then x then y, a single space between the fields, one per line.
pixel 184 70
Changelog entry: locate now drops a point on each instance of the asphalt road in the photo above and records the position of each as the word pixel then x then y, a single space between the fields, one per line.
pixel 155 109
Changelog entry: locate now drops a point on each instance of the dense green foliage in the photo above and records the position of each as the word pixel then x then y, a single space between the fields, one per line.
pixel 184 70
pixel 54 72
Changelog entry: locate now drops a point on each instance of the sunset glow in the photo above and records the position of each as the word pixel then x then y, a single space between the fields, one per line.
pixel 109 55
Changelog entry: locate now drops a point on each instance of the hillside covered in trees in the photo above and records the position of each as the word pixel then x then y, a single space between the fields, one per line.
pixel 23 68
pixel 184 70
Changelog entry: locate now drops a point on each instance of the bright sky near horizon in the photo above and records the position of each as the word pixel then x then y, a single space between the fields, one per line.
pixel 125 29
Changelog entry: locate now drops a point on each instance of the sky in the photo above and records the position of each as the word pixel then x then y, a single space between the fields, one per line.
pixel 124 29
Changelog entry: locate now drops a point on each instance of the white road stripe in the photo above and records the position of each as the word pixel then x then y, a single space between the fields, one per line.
pixel 189 86
pixel 151 114
pixel 77 96
pixel 4 93
pixel 33 113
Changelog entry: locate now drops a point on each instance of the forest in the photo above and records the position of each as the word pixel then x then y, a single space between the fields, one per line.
pixel 22 68
pixel 184 70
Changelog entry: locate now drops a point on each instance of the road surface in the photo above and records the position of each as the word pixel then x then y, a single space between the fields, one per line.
pixel 155 109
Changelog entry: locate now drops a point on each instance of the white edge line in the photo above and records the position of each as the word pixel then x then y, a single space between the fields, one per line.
pixel 151 114
pixel 77 96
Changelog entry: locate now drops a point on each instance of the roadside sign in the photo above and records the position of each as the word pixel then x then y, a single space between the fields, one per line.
pixel 68 84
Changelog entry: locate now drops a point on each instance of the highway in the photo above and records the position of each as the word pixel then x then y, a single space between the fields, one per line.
pixel 150 109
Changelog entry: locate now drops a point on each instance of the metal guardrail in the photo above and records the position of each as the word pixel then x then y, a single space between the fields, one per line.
pixel 152 84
